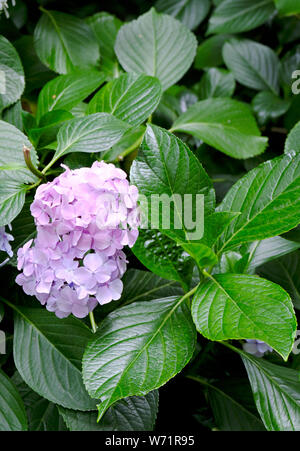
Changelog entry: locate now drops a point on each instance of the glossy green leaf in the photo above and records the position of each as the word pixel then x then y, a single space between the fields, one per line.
pixel 276 393
pixel 105 27
pixel 285 272
pixel 287 7
pixel 13 115
pixel 47 354
pixel 161 255
pixel 144 286
pixel 253 64
pixel 146 45
pixel 215 83
pixel 94 133
pixel 235 306
pixel 66 91
pixel 64 42
pixel 268 199
pixel 190 12
pixel 209 52
pixel 12 198
pixel 138 348
pixel 261 252
pixel 131 98
pixel 269 106
pixel 225 124
pixel 12 81
pixel 235 16
pixel 137 413
pixel 12 411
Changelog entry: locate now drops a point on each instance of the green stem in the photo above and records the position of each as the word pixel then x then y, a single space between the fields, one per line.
pixel 93 323
pixel 130 149
pixel 29 164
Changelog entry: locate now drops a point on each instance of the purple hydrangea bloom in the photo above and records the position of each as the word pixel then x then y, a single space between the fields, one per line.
pixel 256 347
pixel 5 238
pixel 84 218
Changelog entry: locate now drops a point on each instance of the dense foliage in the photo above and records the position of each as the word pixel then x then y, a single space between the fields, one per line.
pixel 187 97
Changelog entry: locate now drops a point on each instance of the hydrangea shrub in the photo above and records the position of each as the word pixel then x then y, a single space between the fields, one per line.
pixel 108 122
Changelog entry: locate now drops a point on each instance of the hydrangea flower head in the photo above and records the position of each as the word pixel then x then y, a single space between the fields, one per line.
pixel 256 347
pixel 84 218
pixel 5 246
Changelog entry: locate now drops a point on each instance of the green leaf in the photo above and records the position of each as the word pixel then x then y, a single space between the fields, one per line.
pixel 215 224
pixel 253 65
pixel 292 143
pixel 231 413
pixel 276 393
pixel 12 141
pixel 105 27
pixel 261 252
pixel 285 272
pixel 42 415
pixel 131 98
pixel 66 91
pixel 163 256
pixel 209 52
pixel 12 410
pixel 12 198
pixel 94 133
pixel 12 81
pixel 268 199
pixel 236 306
pixel 23 229
pixel 215 83
pixel 225 124
pixel 64 42
pixel 138 348
pixel 47 354
pixel 48 128
pixel 190 12
pixel 235 16
pixel 287 7
pixel 165 165
pixel 290 63
pixel 145 286
pixel 269 106
pixel 127 144
pixel 13 115
pixel 146 45
pixel 137 413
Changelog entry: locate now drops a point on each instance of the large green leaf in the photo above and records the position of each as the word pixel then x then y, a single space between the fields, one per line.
pixel 146 45
pixel 130 97
pixel 285 272
pixel 292 143
pixel 47 354
pixel 276 391
pixel 12 410
pixel 235 306
pixel 138 348
pixel 235 16
pixel 225 124
pixel 12 198
pixel 254 65
pixel 268 198
pixel 66 91
pixel 287 7
pixel 12 81
pixel 64 42
pixel 137 413
pixel 105 27
pixel 94 133
pixel 190 12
